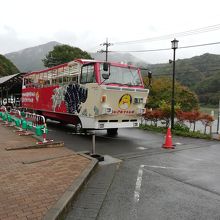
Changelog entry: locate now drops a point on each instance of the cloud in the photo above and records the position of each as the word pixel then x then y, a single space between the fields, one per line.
pixel 84 39
pixel 87 24
pixel 10 40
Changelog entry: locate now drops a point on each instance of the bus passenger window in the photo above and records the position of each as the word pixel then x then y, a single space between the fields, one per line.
pixel 65 79
pixel 73 79
pixel 47 82
pixel 87 74
pixel 60 80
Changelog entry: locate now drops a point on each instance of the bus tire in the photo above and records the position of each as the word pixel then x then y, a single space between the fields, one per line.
pixel 78 128
pixel 112 131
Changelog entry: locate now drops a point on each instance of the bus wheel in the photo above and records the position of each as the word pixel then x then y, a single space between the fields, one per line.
pixel 112 131
pixel 78 128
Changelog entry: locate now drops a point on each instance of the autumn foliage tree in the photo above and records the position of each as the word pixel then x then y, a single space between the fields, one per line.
pixel 163 115
pixel 191 117
pixel 206 120
pixel 161 89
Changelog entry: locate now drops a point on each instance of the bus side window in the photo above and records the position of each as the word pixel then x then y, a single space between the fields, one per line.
pixel 87 74
pixel 60 80
pixel 72 79
pixel 25 83
pixel 65 80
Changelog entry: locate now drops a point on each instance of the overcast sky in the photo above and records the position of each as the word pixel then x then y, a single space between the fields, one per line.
pixel 87 24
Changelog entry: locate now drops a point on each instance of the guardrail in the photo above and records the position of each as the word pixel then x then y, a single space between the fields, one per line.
pixel 26 122
pixel 3 114
pixel 37 122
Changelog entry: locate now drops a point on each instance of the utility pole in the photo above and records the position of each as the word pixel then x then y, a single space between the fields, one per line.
pixel 106 44
pixel 218 122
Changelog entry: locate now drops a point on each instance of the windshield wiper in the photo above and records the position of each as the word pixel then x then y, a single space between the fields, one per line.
pixel 120 84
pixel 128 84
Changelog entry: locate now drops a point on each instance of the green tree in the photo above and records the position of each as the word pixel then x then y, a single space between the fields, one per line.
pixel 161 90
pixel 63 54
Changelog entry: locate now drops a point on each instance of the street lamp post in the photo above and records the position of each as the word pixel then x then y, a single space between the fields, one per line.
pixel 218 122
pixel 174 47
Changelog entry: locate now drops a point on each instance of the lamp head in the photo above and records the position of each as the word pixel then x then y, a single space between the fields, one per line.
pixel 174 43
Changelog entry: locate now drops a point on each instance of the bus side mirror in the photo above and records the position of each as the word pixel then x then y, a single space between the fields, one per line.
pixel 105 66
pixel 105 76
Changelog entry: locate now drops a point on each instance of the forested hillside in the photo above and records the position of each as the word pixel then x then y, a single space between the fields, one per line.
pixel 7 67
pixel 30 59
pixel 201 74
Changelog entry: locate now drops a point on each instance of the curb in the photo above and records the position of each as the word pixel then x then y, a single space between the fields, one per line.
pixel 37 146
pixel 59 210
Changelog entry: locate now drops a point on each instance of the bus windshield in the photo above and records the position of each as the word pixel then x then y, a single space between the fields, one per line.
pixel 122 76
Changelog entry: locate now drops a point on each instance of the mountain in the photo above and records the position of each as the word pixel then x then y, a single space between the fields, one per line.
pixel 7 67
pixel 30 59
pixel 200 73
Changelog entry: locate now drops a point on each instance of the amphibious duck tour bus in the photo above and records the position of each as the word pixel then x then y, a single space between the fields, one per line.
pixel 87 93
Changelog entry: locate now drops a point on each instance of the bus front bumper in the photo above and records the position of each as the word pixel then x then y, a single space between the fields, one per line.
pixel 91 123
pixel 107 125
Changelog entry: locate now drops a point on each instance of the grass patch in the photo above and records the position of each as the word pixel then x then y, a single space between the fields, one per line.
pixel 177 131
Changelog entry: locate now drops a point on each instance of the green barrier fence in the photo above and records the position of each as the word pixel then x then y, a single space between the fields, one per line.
pixel 26 121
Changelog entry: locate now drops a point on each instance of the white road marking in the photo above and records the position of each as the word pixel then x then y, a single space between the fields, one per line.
pixel 140 175
pixel 191 158
pixel 141 148
pixel 138 184
pixel 163 167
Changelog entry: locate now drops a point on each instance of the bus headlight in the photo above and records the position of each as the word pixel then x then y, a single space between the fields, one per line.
pixel 106 110
pixel 138 100
pixel 101 126
pixel 136 124
pixel 141 111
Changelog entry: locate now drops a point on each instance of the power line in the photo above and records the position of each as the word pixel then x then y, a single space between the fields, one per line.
pixel 163 49
pixel 137 51
pixel 199 45
pixel 177 35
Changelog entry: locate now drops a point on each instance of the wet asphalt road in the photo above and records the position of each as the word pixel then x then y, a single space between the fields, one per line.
pixel 128 141
pixel 179 185
pixel 152 182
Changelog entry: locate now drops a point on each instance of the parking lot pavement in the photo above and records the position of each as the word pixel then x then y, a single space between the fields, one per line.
pixel 37 183
pixel 180 183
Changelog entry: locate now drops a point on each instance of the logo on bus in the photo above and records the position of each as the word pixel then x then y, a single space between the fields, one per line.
pixel 125 102
pixel 37 96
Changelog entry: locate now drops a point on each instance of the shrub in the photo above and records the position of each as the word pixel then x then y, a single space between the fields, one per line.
pixel 181 131
pixel 181 127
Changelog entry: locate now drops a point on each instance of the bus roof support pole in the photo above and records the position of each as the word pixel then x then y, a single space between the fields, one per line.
pixel 1 95
pixel 7 95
